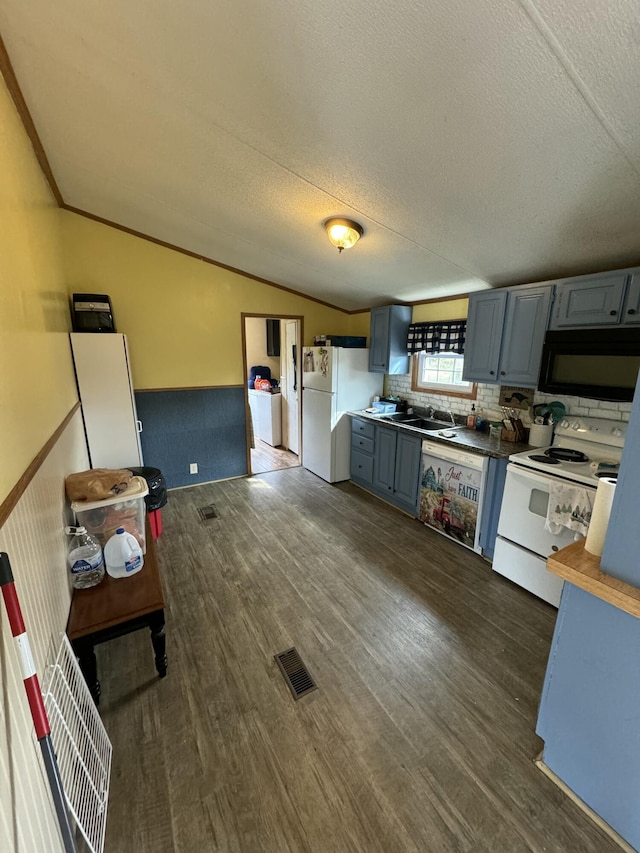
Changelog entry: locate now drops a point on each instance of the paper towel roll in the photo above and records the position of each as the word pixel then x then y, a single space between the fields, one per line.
pixel 600 516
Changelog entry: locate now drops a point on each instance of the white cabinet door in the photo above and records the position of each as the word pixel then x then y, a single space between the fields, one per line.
pixel 106 393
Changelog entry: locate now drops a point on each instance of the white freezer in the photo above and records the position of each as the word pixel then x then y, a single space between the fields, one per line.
pixel 342 371
pixel 335 380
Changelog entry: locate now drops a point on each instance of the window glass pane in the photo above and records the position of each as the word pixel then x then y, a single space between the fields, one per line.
pixel 441 371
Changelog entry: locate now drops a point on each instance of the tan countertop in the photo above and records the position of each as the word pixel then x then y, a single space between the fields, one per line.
pixel 582 569
pixel 470 439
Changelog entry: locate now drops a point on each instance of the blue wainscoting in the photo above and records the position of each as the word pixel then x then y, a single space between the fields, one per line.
pixel 203 425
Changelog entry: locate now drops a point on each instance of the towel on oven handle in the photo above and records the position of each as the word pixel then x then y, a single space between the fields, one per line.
pixel 569 506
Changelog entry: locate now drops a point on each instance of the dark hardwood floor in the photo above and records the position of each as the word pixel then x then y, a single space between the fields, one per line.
pixel 266 458
pixel 421 734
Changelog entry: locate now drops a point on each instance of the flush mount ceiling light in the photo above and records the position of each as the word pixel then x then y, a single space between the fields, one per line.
pixel 343 233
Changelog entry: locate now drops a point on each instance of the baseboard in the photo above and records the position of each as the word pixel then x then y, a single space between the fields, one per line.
pixel 604 826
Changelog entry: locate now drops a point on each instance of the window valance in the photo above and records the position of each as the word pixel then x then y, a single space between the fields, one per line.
pixel 437 337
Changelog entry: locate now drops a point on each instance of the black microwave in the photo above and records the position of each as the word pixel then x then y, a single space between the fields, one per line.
pixel 601 364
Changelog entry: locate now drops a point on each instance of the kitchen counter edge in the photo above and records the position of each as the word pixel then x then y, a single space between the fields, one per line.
pixel 577 566
pixel 468 439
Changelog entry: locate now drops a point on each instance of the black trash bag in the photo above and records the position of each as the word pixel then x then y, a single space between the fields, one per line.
pixel 157 496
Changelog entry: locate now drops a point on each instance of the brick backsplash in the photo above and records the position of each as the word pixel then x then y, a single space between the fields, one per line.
pixel 488 396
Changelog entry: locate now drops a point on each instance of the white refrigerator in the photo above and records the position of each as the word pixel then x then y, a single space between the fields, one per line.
pixel 335 380
pixel 108 405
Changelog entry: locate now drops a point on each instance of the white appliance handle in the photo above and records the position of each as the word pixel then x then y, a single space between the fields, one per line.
pixel 139 426
pixel 457 455
pixel 543 479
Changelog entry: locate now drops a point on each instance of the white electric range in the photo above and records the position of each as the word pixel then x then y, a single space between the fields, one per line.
pixel 583 449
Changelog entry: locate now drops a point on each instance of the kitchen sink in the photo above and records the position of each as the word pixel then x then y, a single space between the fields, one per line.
pixel 402 417
pixel 427 424
pixel 432 425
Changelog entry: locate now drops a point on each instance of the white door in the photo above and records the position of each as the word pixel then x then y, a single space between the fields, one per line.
pixel 317 436
pixel 290 385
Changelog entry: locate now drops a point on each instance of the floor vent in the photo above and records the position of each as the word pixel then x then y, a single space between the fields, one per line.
pixel 295 673
pixel 206 513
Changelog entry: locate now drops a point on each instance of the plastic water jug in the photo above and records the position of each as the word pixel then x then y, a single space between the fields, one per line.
pixel 86 562
pixel 123 555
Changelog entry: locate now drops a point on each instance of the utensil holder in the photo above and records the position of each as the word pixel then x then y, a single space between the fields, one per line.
pixel 512 435
pixel 540 435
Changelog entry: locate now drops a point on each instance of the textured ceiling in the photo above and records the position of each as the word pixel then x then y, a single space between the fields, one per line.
pixel 478 143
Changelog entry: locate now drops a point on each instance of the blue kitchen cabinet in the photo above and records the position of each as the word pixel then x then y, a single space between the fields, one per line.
pixel 588 714
pixel 631 311
pixel 485 321
pixel 593 301
pixel 523 336
pixel 407 474
pixel 505 335
pixel 496 476
pixel 384 461
pixel 396 468
pixel 388 339
pixel 362 447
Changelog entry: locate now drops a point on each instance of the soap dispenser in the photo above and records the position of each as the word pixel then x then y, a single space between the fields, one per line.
pixel 471 417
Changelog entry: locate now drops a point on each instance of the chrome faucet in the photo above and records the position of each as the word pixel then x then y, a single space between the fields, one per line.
pixel 430 411
pixel 453 420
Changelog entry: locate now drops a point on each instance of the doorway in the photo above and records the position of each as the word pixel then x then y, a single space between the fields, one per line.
pixel 271 347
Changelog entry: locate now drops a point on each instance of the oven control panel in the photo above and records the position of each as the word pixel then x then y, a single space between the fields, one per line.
pixel 601 430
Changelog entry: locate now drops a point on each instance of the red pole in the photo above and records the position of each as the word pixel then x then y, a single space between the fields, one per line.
pixel 34 697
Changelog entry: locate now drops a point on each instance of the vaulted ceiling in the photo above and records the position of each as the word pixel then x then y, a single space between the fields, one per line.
pixel 478 144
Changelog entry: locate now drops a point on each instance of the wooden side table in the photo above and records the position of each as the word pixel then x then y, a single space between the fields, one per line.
pixel 115 607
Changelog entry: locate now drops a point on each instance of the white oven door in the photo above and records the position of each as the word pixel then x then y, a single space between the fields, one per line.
pixel 524 512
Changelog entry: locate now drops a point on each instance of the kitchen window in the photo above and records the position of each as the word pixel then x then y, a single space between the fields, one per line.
pixel 437 351
pixel 441 373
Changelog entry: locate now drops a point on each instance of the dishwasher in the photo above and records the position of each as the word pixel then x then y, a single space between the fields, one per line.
pixel 452 490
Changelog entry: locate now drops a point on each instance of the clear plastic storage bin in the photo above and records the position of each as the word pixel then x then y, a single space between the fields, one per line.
pixel 103 518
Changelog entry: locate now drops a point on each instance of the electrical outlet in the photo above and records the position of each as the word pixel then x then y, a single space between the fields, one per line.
pixel 193 468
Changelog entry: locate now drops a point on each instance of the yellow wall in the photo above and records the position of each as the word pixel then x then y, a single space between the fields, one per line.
pixel 37 387
pixel 181 315
pixel 359 324
pixel 256 339
pixel 432 312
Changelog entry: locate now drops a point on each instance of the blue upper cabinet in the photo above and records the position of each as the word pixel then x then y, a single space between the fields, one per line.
pixel 631 311
pixel 485 322
pixel 523 337
pixel 388 344
pixel 593 301
pixel 505 334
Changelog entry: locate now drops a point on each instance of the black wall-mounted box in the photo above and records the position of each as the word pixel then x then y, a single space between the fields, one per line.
pixel 91 312
pixel 273 338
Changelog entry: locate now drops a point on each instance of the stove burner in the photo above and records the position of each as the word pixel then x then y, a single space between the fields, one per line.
pixel 538 457
pixel 566 454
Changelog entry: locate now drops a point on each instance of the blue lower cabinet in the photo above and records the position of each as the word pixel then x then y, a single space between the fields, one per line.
pixel 388 465
pixel 496 476
pixel 384 460
pixel 407 474
pixel 589 708
pixel 361 467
